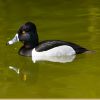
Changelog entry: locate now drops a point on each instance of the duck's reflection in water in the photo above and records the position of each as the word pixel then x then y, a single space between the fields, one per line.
pixel 22 73
pixel 27 74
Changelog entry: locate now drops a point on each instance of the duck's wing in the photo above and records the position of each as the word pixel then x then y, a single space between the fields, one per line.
pixel 49 44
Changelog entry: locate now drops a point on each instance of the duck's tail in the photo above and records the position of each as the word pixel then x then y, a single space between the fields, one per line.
pixel 89 52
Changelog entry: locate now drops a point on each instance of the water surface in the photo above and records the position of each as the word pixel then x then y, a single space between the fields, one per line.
pixel 76 21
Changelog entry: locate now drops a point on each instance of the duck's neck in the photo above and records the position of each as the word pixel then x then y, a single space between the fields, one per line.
pixel 31 45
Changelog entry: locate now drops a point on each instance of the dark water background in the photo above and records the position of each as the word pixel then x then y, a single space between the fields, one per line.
pixel 76 21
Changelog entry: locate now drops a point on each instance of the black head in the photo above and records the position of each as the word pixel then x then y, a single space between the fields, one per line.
pixel 27 33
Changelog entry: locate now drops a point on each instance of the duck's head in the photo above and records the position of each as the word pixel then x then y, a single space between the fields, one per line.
pixel 27 34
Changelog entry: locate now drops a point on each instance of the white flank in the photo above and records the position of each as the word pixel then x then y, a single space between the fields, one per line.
pixel 58 54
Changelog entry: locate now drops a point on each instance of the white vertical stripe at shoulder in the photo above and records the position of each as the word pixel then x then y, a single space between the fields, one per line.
pixel 57 52
pixel 14 39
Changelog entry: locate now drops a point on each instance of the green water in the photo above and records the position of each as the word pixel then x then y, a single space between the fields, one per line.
pixel 76 21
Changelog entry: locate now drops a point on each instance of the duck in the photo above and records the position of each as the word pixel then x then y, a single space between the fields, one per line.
pixel 27 34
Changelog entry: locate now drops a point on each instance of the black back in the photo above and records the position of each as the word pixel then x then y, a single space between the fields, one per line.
pixel 49 44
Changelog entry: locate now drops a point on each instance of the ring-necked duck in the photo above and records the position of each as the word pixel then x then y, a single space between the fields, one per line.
pixel 27 34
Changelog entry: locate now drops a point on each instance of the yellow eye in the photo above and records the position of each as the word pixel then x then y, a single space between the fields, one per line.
pixel 23 32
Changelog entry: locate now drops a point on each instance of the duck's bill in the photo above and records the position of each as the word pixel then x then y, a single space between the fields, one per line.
pixel 13 40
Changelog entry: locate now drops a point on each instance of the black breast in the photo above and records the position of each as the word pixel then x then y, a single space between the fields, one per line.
pixel 49 44
pixel 25 51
